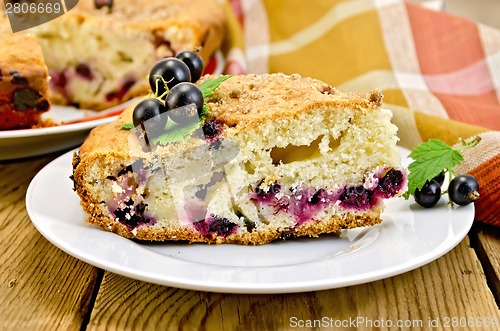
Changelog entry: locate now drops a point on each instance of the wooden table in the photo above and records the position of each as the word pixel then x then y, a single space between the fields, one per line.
pixel 43 288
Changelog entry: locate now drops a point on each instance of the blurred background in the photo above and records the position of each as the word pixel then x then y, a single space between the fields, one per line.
pixel 483 11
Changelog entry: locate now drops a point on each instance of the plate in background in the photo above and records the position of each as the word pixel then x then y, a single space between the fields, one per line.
pixel 15 144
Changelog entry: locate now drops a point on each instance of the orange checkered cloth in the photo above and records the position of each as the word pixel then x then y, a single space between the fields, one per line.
pixel 440 74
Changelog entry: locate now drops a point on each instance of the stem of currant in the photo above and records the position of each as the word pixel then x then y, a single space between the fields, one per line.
pixel 160 97
pixel 468 144
pixel 451 174
pixel 446 171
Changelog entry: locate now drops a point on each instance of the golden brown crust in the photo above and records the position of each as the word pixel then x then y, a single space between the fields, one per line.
pixel 309 229
pixel 252 99
pixel 20 52
pixel 154 14
pixel 21 68
pixel 109 137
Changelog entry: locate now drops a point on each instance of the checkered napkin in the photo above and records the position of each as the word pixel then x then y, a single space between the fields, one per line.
pixel 440 74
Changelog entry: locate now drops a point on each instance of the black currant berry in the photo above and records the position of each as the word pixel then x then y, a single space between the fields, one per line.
pixel 390 183
pixel 211 129
pixel 171 71
pixel 194 62
pixel 184 94
pixel 429 195
pixel 356 197
pixel 149 114
pixel 440 178
pixel 222 226
pixel 463 190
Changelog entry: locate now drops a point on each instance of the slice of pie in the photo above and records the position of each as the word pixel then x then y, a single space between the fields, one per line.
pixel 23 79
pixel 277 156
pixel 100 52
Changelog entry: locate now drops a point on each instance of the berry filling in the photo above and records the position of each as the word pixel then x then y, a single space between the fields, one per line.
pixel 356 198
pixel 18 79
pixel 84 71
pixel 390 184
pixel 103 3
pixel 212 130
pixel 135 166
pixel 13 119
pixel 163 47
pixel 215 225
pixel 132 215
pixel 28 99
pixel 249 225
pixel 128 206
pixel 58 82
pixel 58 79
pixel 304 203
pixel 269 193
pixel 124 88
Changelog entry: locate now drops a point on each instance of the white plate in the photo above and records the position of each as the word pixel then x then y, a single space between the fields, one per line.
pixel 16 144
pixel 409 237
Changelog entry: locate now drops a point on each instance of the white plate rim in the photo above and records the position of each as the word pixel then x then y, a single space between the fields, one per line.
pixel 65 128
pixel 272 287
pixel 24 133
pixel 72 126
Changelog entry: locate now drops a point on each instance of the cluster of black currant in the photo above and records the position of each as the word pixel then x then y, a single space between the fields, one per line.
pixel 462 190
pixel 175 94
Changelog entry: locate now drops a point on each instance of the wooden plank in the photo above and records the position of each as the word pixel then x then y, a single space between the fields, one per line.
pixel 488 249
pixel 42 288
pixel 452 286
pixel 491 244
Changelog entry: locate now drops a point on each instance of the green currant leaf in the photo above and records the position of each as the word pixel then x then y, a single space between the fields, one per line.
pixel 175 132
pixel 127 126
pixel 205 111
pixel 430 158
pixel 208 87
